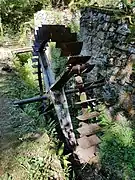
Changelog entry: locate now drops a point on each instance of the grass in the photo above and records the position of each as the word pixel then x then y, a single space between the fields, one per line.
pixel 35 155
pixel 117 148
pixel 58 63
pixel 33 160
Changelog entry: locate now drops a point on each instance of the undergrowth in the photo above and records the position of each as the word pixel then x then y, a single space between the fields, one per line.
pixel 117 148
pixel 58 63
pixel 77 4
pixel 37 157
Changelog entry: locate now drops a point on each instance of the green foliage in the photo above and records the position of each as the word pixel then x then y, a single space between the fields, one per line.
pixel 64 160
pixel 16 12
pixel 38 158
pixel 17 88
pixel 39 168
pixel 111 3
pixel 131 37
pixel 35 160
pixel 128 3
pixel 1 29
pixel 74 26
pixel 23 85
pixel 104 119
pixel 43 163
pixel 133 68
pixel 75 4
pixel 58 63
pixel 117 149
pixel 23 65
pixel 25 31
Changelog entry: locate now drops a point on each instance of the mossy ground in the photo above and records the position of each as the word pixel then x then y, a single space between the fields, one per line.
pixel 26 149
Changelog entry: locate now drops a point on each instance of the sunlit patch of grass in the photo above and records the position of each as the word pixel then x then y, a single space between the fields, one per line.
pixel 33 160
pixel 34 156
pixel 117 149
pixel 23 66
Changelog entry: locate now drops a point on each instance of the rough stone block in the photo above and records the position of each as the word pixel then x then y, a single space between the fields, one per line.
pixel 131 49
pixel 107 18
pixel 108 43
pixel 106 26
pixel 101 20
pixel 117 62
pixel 99 27
pixel 111 29
pixel 100 16
pixel 123 29
pixel 101 35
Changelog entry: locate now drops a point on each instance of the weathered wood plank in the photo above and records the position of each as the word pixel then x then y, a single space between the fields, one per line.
pixel 22 50
pixel 77 60
pixel 70 48
pixel 61 107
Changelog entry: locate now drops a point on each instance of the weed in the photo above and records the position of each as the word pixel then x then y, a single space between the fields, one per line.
pixel 74 26
pixel 23 66
pixel 35 156
pixel 117 148
pixel 58 63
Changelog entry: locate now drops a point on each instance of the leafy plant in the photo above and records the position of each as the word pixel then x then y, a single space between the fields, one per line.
pixel 74 26
pixel 58 63
pixel 25 31
pixel 75 4
pixel 38 167
pixel 19 11
pixel 38 157
pixel 23 65
pixel 64 160
pixel 117 149
pixel 46 165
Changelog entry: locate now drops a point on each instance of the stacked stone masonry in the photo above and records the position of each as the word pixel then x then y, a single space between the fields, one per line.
pixel 105 40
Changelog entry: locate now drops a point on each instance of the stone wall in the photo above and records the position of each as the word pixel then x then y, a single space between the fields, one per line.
pixel 105 34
